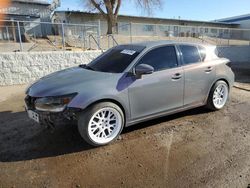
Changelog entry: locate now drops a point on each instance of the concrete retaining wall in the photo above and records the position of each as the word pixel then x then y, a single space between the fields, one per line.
pixel 25 67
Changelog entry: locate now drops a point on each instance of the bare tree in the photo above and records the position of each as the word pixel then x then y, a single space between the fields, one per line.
pixel 110 9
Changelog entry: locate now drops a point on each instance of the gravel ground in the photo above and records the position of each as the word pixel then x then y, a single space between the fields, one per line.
pixel 197 148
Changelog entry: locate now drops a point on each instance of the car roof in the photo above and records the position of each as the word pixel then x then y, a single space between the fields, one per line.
pixel 149 44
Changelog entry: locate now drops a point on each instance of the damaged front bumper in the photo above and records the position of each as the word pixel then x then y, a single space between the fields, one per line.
pixel 50 119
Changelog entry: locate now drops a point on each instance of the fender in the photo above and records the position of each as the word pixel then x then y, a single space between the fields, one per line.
pixel 84 101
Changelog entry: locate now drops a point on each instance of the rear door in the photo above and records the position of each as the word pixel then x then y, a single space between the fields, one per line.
pixel 199 74
pixel 160 91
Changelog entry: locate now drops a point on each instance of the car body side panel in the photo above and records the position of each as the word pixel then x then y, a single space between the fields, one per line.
pixel 198 81
pixel 223 72
pixel 108 89
pixel 156 92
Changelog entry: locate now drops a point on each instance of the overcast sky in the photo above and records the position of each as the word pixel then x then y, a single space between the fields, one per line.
pixel 186 9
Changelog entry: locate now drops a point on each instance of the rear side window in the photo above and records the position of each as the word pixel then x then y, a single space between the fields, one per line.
pixel 203 53
pixel 190 54
pixel 160 58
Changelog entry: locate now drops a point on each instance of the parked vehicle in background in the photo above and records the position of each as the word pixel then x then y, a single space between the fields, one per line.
pixel 129 84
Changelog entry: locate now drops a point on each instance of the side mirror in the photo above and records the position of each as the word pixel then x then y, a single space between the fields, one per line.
pixel 143 69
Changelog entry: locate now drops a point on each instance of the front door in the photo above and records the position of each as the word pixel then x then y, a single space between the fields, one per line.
pixel 160 91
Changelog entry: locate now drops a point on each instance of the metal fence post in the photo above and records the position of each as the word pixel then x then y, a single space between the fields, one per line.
pixel 63 39
pixel 83 40
pixel 19 35
pixel 156 32
pixel 130 33
pixel 113 40
pixel 108 42
pixel 85 37
pixel 99 34
pixel 8 35
pixel 89 42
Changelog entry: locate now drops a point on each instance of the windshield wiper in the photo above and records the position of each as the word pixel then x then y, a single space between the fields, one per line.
pixel 86 67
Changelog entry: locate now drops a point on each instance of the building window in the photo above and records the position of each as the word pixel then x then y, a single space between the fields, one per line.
pixel 213 30
pixel 175 28
pixel 164 28
pixel 124 26
pixel 148 28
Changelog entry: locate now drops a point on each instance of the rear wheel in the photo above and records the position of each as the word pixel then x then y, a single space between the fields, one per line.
pixel 101 123
pixel 218 96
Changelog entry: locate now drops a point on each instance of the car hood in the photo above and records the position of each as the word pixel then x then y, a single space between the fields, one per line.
pixel 67 81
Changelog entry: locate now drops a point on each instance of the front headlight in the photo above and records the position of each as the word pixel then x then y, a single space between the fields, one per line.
pixel 53 104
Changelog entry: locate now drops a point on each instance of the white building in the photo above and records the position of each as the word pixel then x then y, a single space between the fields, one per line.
pixel 242 20
pixel 29 13
pixel 244 23
pixel 27 10
pixel 148 26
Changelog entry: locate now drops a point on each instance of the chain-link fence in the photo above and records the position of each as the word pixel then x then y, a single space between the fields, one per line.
pixel 137 32
pixel 45 36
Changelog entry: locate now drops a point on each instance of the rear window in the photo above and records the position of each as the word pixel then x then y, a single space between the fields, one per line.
pixel 117 59
pixel 203 53
pixel 190 54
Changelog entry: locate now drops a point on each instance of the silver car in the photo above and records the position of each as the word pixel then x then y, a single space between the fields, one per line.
pixel 129 84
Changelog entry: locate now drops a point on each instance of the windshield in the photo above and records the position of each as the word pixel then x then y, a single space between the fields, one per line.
pixel 117 59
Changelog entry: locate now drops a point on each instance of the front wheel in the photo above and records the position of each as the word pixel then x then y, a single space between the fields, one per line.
pixel 218 96
pixel 101 123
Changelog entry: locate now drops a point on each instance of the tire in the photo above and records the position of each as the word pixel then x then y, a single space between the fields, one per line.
pixel 218 96
pixel 101 123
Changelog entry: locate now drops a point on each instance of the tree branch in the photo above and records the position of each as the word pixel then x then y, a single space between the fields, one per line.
pixel 149 5
pixel 98 6
pixel 117 7
pixel 108 6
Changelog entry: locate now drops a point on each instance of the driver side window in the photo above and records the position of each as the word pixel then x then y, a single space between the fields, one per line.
pixel 160 58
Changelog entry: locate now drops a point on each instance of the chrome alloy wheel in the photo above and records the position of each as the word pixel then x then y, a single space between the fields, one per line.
pixel 104 125
pixel 220 95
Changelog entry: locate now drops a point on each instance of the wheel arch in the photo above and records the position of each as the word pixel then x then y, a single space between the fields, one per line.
pixel 219 79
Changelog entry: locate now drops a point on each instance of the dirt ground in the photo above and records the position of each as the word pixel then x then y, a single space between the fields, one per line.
pixel 197 148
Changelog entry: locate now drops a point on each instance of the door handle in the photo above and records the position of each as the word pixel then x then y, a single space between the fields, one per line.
pixel 176 76
pixel 208 69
